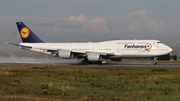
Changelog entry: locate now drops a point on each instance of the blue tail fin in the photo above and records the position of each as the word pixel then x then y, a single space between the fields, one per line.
pixel 26 34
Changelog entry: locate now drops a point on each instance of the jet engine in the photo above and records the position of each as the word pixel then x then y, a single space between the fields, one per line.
pixel 65 54
pixel 94 57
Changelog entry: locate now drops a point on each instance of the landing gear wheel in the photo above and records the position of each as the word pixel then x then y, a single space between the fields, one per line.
pixel 154 62
pixel 99 62
pixel 103 61
pixel 90 62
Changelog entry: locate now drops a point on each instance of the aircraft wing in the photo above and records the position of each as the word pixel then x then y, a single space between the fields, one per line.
pixel 102 53
pixel 79 53
pixel 55 50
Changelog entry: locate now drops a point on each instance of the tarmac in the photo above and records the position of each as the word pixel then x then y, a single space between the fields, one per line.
pixel 81 64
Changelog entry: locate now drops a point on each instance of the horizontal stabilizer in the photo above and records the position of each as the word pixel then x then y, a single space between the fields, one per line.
pixel 22 46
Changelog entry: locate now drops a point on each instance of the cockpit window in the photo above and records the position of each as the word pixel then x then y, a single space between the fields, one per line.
pixel 159 42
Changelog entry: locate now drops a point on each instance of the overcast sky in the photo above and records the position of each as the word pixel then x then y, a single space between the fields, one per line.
pixel 91 20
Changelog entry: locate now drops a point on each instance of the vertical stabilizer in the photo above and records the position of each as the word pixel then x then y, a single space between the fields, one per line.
pixel 26 34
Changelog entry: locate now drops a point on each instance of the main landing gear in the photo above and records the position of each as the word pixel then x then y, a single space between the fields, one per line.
pixel 154 61
pixel 93 62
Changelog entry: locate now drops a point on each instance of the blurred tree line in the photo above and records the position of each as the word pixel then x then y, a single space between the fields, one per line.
pixel 168 57
pixel 164 57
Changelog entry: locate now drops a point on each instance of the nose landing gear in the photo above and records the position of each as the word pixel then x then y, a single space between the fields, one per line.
pixel 154 61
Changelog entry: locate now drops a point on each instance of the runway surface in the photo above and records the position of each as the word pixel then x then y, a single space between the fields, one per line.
pixel 80 64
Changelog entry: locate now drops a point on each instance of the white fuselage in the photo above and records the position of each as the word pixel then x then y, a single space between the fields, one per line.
pixel 119 48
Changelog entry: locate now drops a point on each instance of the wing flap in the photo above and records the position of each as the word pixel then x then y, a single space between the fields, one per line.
pixel 102 53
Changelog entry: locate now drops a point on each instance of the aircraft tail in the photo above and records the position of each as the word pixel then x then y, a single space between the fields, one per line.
pixel 26 34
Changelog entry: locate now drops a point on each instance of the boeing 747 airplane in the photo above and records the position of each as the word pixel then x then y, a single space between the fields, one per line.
pixel 93 52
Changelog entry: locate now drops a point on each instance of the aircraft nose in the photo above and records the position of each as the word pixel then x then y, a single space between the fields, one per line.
pixel 170 49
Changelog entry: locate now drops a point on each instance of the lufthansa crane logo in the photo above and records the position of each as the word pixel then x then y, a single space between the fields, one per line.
pixel 24 32
pixel 149 47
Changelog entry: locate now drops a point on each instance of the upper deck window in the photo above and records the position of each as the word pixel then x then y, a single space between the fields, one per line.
pixel 159 42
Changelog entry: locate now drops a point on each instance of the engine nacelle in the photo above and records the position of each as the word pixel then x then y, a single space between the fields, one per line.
pixel 116 59
pixel 94 57
pixel 65 54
